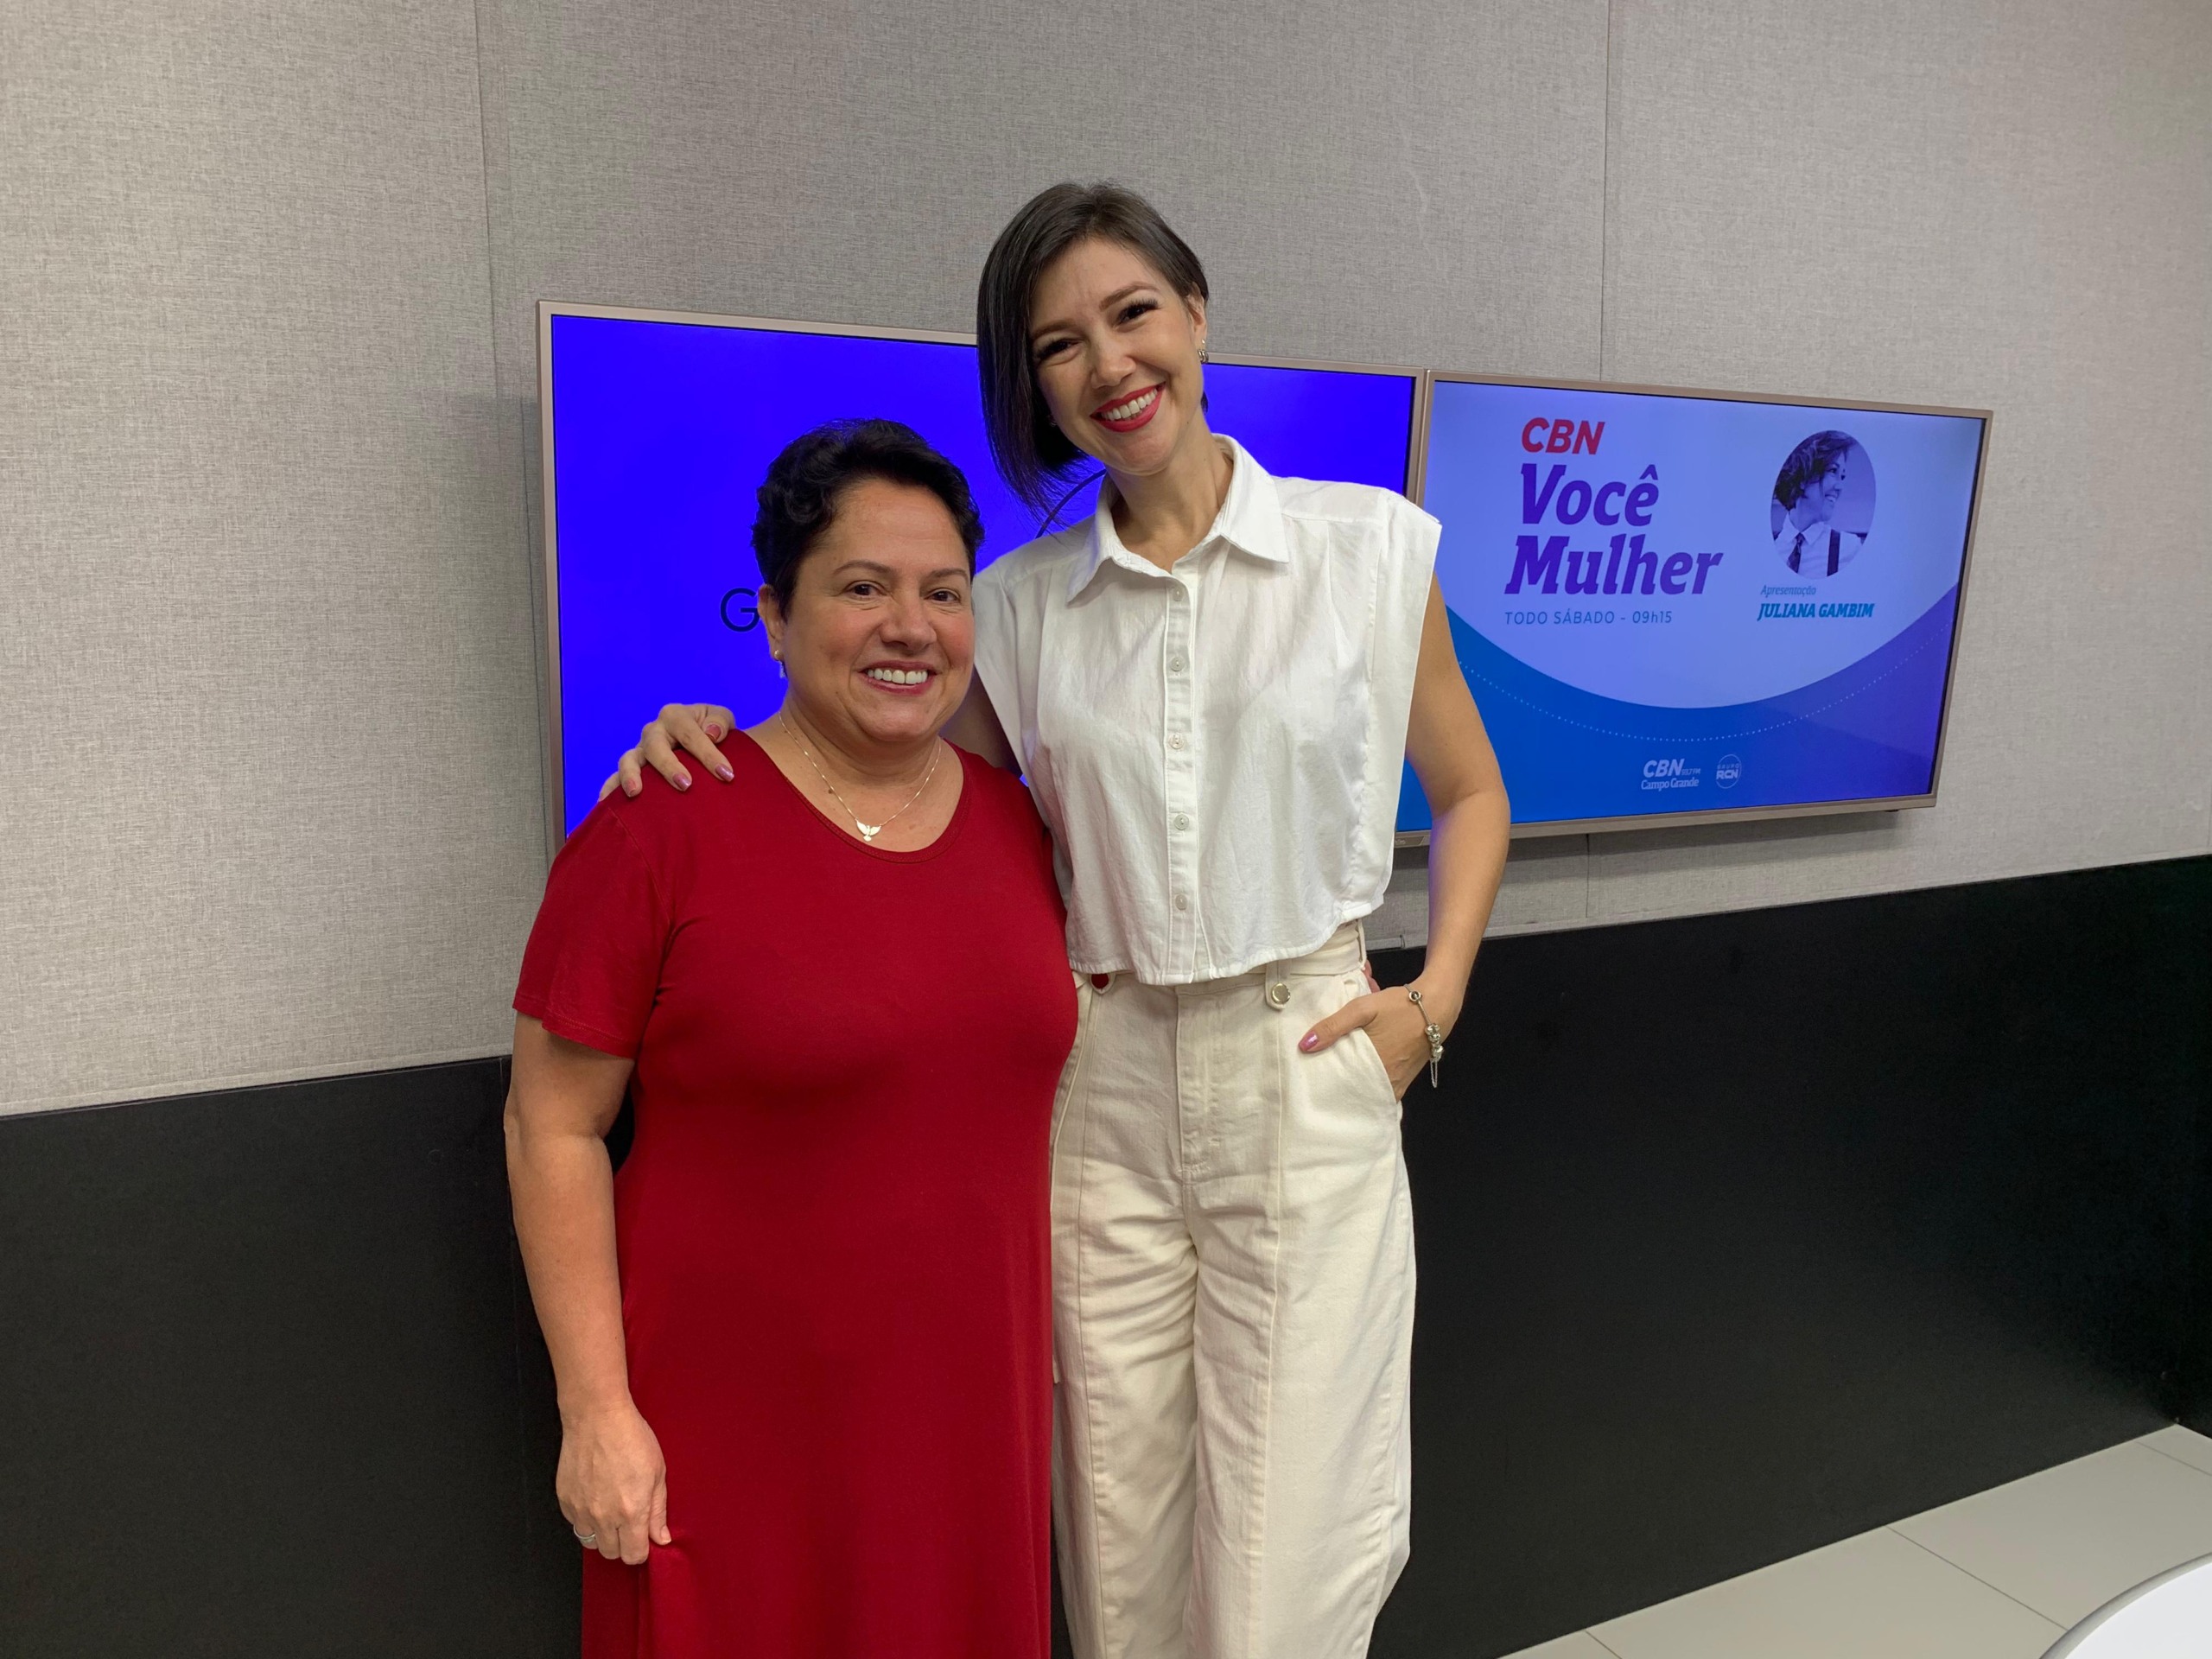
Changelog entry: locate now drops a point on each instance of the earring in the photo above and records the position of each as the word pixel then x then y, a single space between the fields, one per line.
pixel 1203 358
pixel 779 656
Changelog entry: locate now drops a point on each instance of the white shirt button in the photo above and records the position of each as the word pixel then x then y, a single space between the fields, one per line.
pixel 1176 742
pixel 1174 665
pixel 1182 902
pixel 1182 821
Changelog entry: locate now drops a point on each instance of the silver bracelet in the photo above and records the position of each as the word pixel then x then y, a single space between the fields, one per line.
pixel 1429 1030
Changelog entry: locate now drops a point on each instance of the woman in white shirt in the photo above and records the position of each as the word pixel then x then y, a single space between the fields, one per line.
pixel 1211 685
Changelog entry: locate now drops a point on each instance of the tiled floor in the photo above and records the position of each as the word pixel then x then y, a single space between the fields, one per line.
pixel 2001 1575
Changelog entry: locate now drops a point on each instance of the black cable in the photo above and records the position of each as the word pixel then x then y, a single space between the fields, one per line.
pixel 1075 489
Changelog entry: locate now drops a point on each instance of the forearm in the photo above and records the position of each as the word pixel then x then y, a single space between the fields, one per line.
pixel 1466 860
pixel 974 727
pixel 563 1192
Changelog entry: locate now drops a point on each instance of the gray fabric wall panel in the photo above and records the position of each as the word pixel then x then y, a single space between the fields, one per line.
pixel 267 422
pixel 262 552
pixel 2000 205
pixel 1414 180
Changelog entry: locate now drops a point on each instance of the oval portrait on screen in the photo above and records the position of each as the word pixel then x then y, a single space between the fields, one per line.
pixel 1823 504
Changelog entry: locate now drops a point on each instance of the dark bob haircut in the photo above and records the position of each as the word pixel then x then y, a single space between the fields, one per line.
pixel 1808 463
pixel 1034 455
pixel 799 497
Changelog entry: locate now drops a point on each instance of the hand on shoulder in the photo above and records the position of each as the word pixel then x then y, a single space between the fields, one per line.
pixel 693 728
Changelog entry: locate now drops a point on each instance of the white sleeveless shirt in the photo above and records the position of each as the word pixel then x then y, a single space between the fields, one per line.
pixel 1218 748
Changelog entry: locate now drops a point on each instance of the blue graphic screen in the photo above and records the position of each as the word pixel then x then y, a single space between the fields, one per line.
pixel 662 432
pixel 1672 603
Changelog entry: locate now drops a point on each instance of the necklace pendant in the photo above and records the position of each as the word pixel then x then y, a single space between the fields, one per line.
pixel 868 832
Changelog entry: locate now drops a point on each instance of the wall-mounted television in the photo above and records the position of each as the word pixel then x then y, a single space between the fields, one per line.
pixel 657 428
pixel 1683 606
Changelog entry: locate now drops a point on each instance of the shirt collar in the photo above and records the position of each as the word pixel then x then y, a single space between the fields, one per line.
pixel 1250 520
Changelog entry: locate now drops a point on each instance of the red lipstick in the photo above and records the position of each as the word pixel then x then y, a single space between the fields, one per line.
pixel 1155 395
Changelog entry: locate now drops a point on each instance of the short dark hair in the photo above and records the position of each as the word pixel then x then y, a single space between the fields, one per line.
pixel 1032 453
pixel 798 498
pixel 1808 463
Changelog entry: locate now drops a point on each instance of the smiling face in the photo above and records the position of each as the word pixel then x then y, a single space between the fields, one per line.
pixel 1817 505
pixel 1117 356
pixel 876 635
pixel 1829 490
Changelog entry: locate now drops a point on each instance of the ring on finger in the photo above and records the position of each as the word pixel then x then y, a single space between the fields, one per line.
pixel 588 1538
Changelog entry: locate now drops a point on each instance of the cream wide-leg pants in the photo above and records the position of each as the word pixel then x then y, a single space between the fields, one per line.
pixel 1233 1290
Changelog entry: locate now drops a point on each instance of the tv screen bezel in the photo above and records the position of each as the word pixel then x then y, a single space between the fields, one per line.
pixel 1747 815
pixel 548 492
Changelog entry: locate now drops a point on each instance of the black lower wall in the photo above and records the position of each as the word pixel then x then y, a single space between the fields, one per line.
pixel 1742 1234
pixel 1738 1234
pixel 262 1377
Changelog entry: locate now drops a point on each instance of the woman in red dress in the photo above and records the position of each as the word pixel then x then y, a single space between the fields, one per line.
pixel 802 1338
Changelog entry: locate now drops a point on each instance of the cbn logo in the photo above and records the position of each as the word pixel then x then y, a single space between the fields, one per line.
pixel 1662 768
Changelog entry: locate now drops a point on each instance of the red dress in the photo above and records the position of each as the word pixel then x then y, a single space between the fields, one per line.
pixel 832 1224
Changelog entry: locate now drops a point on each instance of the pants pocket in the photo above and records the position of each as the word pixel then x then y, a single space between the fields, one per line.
pixel 1366 1044
pixel 1369 1058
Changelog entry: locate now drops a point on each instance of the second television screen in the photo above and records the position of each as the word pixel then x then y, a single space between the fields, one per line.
pixel 663 431
pixel 1682 602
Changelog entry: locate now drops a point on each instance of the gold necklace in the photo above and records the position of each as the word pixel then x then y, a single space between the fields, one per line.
pixel 868 832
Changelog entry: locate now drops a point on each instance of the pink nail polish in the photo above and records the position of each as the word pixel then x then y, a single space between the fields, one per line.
pixel 1309 1039
pixel 683 780
pixel 725 774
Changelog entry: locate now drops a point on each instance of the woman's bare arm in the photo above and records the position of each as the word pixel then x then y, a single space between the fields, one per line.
pixel 974 727
pixel 697 728
pixel 612 1484
pixel 1471 823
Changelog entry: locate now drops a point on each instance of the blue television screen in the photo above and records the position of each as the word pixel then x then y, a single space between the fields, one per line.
pixel 660 432
pixel 1684 603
